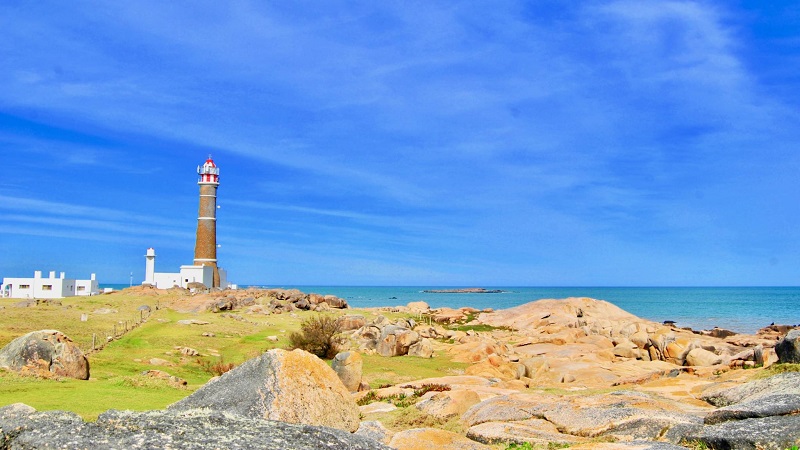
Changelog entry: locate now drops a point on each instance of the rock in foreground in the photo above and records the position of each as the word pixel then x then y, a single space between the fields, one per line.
pixel 45 352
pixel 24 428
pixel 295 387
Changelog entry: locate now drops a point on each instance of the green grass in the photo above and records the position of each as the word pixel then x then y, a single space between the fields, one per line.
pixel 379 370
pixel 776 369
pixel 116 370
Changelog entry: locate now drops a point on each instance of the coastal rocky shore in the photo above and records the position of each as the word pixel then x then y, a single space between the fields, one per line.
pixel 574 372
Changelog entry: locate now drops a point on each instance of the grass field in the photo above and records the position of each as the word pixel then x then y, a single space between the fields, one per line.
pixel 116 370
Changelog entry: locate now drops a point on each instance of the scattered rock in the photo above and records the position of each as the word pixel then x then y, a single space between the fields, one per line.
pixel 45 352
pixel 105 311
pixel 188 351
pixel 161 375
pixel 192 322
pixel 295 387
pixel 160 362
pixel 272 338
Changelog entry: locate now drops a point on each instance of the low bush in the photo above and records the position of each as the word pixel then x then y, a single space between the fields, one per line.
pixel 317 336
pixel 217 367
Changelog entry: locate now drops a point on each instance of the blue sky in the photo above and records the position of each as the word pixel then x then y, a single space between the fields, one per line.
pixel 406 143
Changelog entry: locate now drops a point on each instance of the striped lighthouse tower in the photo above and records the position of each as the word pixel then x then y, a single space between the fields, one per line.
pixel 205 249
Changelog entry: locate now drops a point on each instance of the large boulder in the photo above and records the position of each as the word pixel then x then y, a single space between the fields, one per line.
pixel 348 366
pixel 423 348
pixel 45 352
pixel 351 322
pixel 23 428
pixel 295 387
pixel 788 348
pixel 702 357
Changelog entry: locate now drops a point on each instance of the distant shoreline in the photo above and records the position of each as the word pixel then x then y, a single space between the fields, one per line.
pixel 463 291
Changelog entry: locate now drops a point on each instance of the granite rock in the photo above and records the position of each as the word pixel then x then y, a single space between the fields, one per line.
pixel 768 433
pixel 45 351
pixel 295 387
pixel 771 405
pixel 22 428
pixel 788 348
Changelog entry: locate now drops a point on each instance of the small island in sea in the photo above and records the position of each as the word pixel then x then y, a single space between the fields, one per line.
pixel 463 291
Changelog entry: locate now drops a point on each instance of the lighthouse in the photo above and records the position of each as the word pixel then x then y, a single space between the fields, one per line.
pixel 205 248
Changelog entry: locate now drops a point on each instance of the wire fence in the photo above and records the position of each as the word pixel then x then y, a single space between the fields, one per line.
pixel 101 337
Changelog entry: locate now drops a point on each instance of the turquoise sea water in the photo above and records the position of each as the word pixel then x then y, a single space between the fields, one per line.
pixel 741 309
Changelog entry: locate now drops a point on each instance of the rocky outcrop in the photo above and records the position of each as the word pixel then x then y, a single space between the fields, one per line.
pixel 761 414
pixel 788 349
pixel 542 418
pixel 395 341
pixel 781 384
pixel 256 301
pixel 295 387
pixel 21 427
pixel 45 353
pixel 392 339
pixel 769 433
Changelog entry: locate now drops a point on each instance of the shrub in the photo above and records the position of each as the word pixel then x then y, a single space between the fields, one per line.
pixel 215 368
pixel 317 336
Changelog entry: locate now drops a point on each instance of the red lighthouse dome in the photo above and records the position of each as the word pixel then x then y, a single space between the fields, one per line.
pixel 209 172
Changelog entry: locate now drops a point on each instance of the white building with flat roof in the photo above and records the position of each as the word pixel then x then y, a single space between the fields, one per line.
pixel 188 274
pixel 50 287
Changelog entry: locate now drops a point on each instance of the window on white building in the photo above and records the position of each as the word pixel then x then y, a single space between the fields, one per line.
pixel 47 287
pixel 81 288
pixel 24 286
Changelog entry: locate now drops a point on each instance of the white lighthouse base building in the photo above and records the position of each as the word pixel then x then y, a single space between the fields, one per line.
pixel 51 287
pixel 188 274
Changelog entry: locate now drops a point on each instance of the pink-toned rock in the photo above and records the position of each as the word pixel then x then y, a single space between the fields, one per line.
pixel 702 357
pixel 433 439
pixel 448 403
pixel 535 431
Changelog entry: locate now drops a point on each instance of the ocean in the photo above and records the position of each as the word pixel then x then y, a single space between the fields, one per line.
pixel 740 309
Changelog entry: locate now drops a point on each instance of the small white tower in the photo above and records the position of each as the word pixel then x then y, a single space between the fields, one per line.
pixel 150 267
